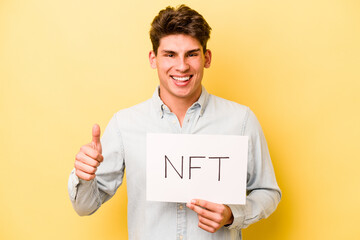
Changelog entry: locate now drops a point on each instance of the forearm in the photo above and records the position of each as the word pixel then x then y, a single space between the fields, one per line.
pixel 88 196
pixel 260 203
pixel 84 195
pixel 263 191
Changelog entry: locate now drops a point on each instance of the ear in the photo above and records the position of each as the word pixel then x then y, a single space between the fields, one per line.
pixel 152 59
pixel 207 58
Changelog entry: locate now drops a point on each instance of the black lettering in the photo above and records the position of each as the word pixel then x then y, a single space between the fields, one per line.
pixel 182 166
pixel 190 167
pixel 219 163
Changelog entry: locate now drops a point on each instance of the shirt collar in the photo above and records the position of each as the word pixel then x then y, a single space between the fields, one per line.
pixel 161 107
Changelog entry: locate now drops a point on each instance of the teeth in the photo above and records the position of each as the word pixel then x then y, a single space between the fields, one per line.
pixel 181 78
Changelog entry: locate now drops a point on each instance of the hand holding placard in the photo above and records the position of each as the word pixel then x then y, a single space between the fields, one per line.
pixel 89 157
pixel 212 216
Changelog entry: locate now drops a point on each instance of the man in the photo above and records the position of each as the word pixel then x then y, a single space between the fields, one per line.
pixel 179 105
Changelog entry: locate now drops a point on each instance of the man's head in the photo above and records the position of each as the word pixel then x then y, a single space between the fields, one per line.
pixel 179 53
pixel 180 20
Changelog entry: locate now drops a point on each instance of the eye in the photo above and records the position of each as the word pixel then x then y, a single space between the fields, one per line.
pixel 192 54
pixel 169 55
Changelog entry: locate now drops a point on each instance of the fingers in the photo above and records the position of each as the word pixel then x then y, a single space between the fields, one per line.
pixel 96 144
pixel 82 157
pixel 209 221
pixel 204 212
pixel 84 176
pixel 206 204
pixel 87 150
pixel 209 225
pixel 89 157
pixel 208 228
pixel 85 166
pixel 212 216
pixel 80 166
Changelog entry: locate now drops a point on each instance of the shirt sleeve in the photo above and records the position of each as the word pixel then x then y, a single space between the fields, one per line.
pixel 263 191
pixel 87 196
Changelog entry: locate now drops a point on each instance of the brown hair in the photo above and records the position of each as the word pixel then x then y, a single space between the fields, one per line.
pixel 179 20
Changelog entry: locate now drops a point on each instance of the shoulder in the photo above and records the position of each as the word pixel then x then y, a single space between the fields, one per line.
pixel 142 108
pixel 233 111
pixel 226 107
pixel 135 117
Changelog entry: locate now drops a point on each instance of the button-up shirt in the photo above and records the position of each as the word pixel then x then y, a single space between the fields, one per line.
pixel 124 146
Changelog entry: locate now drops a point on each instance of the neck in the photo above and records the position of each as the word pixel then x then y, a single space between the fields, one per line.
pixel 179 106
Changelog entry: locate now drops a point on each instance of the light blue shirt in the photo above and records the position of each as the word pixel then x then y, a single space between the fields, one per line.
pixel 124 146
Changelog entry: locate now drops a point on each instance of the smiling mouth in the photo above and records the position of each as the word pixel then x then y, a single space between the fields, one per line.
pixel 182 79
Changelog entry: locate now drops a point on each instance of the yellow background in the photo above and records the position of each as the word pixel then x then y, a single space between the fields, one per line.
pixel 65 65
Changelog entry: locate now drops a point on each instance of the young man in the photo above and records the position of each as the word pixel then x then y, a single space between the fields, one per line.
pixel 179 105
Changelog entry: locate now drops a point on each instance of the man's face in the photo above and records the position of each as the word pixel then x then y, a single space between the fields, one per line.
pixel 180 63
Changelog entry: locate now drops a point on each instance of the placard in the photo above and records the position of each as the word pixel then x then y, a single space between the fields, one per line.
pixel 181 167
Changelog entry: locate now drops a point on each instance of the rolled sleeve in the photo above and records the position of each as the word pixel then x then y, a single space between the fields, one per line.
pixel 89 201
pixel 238 212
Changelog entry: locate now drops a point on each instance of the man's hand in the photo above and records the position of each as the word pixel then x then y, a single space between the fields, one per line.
pixel 89 157
pixel 212 216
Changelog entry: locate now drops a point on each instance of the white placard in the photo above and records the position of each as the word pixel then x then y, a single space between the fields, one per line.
pixel 181 167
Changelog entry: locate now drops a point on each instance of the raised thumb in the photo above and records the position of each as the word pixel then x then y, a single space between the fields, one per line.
pixel 96 137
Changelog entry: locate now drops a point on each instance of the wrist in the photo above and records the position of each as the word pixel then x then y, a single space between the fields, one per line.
pixel 231 218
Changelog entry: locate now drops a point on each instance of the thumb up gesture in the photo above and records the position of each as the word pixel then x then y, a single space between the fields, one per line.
pixel 89 157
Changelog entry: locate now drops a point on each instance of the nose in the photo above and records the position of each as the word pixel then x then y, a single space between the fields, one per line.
pixel 182 65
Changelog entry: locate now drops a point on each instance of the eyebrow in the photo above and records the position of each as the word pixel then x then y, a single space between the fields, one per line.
pixel 173 52
pixel 194 50
pixel 168 51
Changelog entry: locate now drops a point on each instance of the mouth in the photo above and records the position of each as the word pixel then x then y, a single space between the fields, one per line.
pixel 181 80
